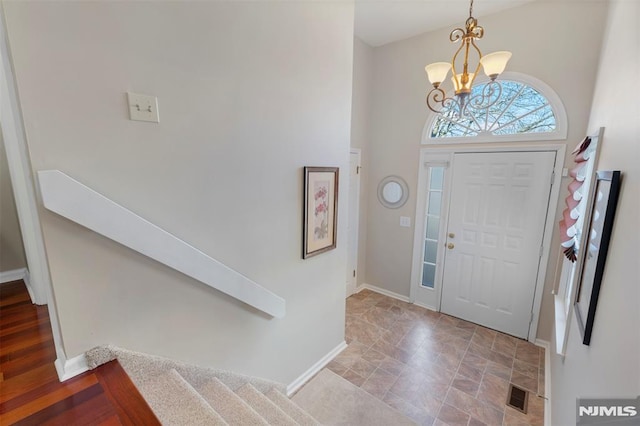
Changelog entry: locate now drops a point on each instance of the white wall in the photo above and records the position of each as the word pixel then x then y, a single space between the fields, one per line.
pixel 610 366
pixel 12 255
pixel 249 93
pixel 361 136
pixel 560 47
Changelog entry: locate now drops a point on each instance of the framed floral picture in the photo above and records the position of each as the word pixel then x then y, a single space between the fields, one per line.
pixel 320 210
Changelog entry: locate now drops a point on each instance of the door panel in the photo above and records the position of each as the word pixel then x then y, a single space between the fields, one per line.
pixel 496 223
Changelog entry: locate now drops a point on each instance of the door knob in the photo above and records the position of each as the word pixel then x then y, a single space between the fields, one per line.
pixel 450 246
pixel 451 235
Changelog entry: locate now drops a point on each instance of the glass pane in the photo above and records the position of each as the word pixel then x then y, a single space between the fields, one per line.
pixel 430 251
pixel 541 120
pixel 433 227
pixel 437 178
pixel 428 274
pixel 435 198
pixel 519 109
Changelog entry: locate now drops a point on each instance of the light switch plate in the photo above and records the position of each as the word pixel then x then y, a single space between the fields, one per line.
pixel 405 221
pixel 143 107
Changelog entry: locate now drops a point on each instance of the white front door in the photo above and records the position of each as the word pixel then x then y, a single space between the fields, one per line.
pixel 493 241
pixel 352 227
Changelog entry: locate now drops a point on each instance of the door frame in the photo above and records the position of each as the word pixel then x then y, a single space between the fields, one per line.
pixel 438 155
pixel 358 153
pixel 24 191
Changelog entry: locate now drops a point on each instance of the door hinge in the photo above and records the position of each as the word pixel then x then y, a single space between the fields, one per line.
pixel 531 319
pixel 354 273
pixel 358 170
pixel 553 177
pixel 541 250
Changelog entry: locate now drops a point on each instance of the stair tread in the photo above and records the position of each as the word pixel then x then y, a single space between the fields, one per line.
pixel 291 408
pixel 176 402
pixel 230 406
pixel 264 406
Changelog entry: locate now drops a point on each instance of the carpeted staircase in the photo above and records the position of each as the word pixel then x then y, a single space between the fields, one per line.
pixel 181 394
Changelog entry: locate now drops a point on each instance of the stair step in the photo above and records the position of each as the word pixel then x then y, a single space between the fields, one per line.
pixel 175 402
pixel 229 405
pixel 291 408
pixel 264 406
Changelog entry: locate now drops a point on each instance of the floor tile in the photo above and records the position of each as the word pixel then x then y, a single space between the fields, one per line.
pixel 498 370
pixel 494 390
pixel 392 366
pixel 353 377
pixel 363 368
pixel 374 357
pixel 525 368
pixel 414 413
pixel 527 352
pixel 466 385
pixel 475 408
pixel 452 416
pixel 525 382
pixel 472 372
pixel 437 369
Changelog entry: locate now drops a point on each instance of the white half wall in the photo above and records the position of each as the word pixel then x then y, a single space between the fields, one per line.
pixel 249 93
pixel 609 367
pixel 70 199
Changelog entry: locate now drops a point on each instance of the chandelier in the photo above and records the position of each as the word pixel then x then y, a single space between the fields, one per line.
pixel 493 64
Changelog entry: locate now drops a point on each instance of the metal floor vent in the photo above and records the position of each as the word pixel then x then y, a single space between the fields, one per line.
pixel 517 399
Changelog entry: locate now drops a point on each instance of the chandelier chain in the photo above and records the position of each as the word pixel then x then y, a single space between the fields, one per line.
pixel 471 9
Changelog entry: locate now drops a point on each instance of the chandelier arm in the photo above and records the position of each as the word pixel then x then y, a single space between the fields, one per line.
pixel 490 94
pixel 475 73
pixel 468 114
pixel 456 35
pixel 453 62
pixel 438 96
pixel 478 32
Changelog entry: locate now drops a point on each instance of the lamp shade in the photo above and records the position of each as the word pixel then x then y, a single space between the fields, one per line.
pixel 494 63
pixel 437 72
pixel 461 87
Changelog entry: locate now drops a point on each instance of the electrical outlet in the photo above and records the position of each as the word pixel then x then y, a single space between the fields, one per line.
pixel 143 107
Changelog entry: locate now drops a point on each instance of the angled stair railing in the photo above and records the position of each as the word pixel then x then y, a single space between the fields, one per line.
pixel 71 199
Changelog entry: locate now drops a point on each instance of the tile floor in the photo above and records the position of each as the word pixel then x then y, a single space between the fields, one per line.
pixel 437 369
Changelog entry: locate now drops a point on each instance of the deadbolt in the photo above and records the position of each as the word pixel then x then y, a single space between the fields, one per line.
pixel 450 246
pixel 451 235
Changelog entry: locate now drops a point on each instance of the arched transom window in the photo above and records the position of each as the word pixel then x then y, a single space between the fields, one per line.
pixel 521 112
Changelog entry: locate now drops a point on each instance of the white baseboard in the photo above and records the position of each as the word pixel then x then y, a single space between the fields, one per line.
pixel 315 368
pixel 383 292
pixel 71 367
pixel 13 275
pixel 547 379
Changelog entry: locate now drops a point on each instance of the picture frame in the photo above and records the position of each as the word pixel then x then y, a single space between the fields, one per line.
pixel 320 208
pixel 601 218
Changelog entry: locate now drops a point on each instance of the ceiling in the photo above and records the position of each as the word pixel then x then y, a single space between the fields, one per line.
pixel 379 22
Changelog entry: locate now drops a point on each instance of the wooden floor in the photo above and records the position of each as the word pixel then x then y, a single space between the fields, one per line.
pixel 30 393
